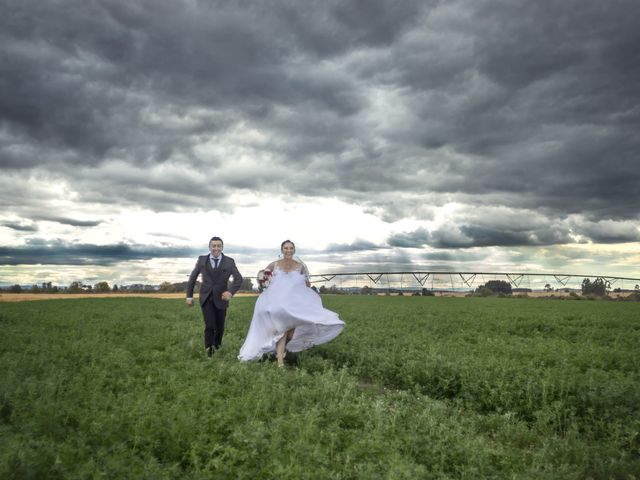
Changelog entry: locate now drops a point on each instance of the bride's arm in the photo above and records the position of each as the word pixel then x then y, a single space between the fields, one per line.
pixel 305 271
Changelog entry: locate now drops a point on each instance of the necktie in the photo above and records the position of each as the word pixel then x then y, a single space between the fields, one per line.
pixel 216 262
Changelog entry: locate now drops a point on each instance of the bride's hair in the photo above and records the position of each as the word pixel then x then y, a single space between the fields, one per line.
pixel 285 242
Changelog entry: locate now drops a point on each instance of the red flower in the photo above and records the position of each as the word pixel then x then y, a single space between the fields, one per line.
pixel 264 278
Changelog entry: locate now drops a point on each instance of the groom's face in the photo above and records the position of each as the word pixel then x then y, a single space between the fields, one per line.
pixel 215 247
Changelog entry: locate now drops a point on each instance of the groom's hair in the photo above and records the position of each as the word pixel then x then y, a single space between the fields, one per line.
pixel 216 238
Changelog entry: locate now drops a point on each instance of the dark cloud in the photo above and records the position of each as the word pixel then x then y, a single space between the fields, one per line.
pixel 464 236
pixel 20 227
pixel 609 231
pixel 399 107
pixel 358 245
pixel 513 229
pixel 483 236
pixel 368 261
pixel 109 67
pixel 37 251
pixel 68 221
pixel 417 238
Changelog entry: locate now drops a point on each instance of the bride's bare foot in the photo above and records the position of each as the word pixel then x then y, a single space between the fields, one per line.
pixel 281 350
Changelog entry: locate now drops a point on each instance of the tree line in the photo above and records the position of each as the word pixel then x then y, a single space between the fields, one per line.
pixel 590 289
pixel 596 288
pixel 104 287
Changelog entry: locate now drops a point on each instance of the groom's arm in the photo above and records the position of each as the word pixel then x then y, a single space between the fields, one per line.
pixel 237 280
pixel 192 282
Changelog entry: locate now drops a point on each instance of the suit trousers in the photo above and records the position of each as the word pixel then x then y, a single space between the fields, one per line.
pixel 213 323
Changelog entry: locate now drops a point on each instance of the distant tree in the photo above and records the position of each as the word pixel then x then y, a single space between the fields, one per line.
pixel 15 289
pixel 496 286
pixel 323 289
pixel 637 287
pixel 180 286
pixel 548 288
pixel 366 290
pixel 483 291
pixel 101 287
pixel 598 287
pixel 75 287
pixel 167 287
pixel 48 287
pixel 247 285
pixel 115 287
pixel 35 288
pixel 427 293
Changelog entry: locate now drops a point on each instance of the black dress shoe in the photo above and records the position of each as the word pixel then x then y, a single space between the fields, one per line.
pixel 209 352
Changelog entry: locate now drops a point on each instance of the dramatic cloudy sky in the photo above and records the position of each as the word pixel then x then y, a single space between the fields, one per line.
pixel 463 135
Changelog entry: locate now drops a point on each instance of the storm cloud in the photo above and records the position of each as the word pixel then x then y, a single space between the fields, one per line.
pixel 38 251
pixel 527 111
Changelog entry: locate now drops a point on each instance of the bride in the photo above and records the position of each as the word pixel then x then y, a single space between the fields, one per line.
pixel 288 315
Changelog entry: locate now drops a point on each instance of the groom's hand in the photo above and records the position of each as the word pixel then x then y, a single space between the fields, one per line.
pixel 189 302
pixel 227 296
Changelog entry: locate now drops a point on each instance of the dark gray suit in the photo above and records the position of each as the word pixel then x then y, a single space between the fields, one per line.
pixel 214 283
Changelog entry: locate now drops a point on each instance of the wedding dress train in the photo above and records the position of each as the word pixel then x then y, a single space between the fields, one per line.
pixel 288 303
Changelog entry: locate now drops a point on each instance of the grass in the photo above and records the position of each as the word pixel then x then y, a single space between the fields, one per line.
pixel 414 387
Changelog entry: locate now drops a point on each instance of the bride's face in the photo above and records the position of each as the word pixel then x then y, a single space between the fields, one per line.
pixel 288 250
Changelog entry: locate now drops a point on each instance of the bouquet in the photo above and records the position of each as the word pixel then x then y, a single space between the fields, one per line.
pixel 264 278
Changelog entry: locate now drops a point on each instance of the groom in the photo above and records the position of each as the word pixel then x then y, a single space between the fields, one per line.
pixel 215 294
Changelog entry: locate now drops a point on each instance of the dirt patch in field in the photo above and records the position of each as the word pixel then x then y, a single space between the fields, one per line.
pixel 24 297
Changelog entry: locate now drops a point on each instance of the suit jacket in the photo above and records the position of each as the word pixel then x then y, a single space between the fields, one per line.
pixel 214 281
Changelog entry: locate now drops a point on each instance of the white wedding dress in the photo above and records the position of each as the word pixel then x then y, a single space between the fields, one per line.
pixel 288 303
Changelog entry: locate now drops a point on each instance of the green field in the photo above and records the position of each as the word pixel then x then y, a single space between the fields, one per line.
pixel 415 387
